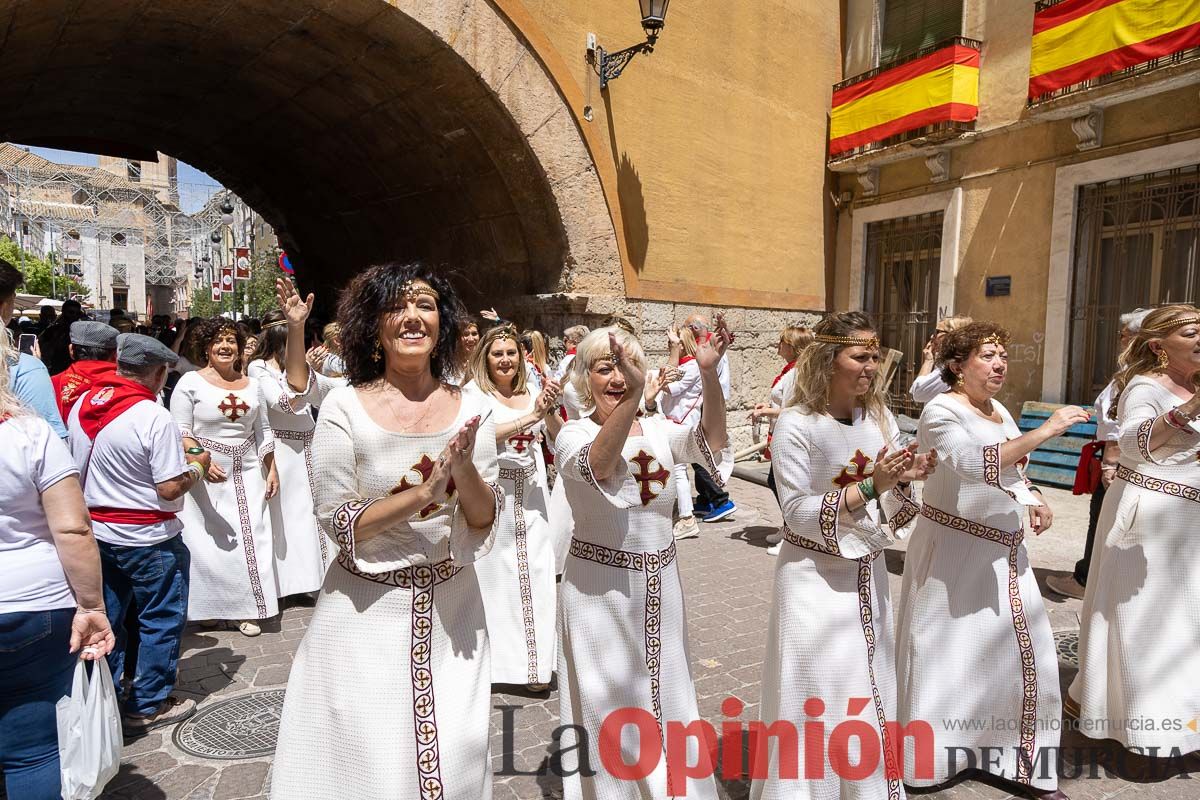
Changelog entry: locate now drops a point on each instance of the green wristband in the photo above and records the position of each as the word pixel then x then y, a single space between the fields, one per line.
pixel 867 489
pixel 194 451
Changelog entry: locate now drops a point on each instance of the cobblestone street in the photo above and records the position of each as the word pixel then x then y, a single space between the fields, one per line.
pixel 728 580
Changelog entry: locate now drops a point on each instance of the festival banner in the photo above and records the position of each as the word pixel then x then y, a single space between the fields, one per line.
pixel 942 86
pixel 241 263
pixel 226 279
pixel 1078 40
pixel 216 293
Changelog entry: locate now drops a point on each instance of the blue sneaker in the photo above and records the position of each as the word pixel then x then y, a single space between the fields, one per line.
pixel 721 512
pixel 701 510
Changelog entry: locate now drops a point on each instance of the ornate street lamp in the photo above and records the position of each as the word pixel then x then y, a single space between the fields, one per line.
pixel 226 212
pixel 609 66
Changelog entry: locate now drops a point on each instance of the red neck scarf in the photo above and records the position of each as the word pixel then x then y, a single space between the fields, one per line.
pixel 109 398
pixel 75 380
pixel 571 351
pixel 786 369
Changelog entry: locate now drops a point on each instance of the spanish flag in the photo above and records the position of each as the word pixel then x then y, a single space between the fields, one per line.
pixel 939 87
pixel 1078 40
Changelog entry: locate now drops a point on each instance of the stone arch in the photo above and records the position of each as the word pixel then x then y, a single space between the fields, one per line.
pixel 361 129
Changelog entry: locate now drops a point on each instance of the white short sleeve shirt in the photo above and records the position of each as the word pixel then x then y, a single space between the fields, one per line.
pixel 139 449
pixel 32 460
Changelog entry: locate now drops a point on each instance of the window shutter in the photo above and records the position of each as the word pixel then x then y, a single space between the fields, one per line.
pixel 910 25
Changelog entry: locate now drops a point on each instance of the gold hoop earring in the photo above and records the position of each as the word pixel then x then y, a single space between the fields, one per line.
pixel 377 353
pixel 1163 361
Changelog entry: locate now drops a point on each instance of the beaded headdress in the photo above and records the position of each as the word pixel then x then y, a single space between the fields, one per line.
pixel 274 324
pixel 995 338
pixel 861 341
pixel 1171 325
pixel 411 290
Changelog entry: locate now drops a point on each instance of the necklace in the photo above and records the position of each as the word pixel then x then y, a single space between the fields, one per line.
pixel 408 426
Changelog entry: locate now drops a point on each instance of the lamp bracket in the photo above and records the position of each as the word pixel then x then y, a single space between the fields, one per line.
pixel 609 66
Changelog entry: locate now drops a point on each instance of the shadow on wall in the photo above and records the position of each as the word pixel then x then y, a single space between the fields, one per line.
pixel 633 202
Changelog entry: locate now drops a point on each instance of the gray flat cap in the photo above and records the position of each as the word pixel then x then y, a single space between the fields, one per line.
pixel 136 350
pixel 87 333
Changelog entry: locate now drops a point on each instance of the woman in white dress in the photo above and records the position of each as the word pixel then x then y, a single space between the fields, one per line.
pixel 517 577
pixel 843 487
pixel 458 373
pixel 302 551
pixel 389 693
pixel 1140 637
pixel 624 629
pixel 976 659
pixel 225 522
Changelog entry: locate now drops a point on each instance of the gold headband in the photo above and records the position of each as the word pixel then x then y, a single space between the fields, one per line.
pixel 996 339
pixel 508 331
pixel 411 290
pixel 1171 325
pixel 275 324
pixel 848 340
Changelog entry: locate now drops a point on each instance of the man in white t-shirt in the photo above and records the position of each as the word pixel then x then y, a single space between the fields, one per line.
pixel 135 474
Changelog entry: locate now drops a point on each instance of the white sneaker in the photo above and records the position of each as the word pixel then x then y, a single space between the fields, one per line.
pixel 775 537
pixel 774 549
pixel 249 628
pixel 686 528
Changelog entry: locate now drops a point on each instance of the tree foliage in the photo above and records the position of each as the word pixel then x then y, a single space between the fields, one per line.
pixel 38 272
pixel 256 294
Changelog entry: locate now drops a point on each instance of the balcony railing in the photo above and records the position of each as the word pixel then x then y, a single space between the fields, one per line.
pixel 945 106
pixel 1079 46
pixel 1180 57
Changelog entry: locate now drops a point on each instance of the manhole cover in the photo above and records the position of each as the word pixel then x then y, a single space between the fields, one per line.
pixel 240 727
pixel 1067 644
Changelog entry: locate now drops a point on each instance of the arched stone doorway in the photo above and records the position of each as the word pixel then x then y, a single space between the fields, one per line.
pixel 361 129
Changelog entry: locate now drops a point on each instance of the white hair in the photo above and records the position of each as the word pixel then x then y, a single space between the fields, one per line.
pixel 595 347
pixel 576 333
pixel 1134 319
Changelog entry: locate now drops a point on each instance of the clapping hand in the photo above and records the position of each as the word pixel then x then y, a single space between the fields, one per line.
pixel 890 467
pixel 923 465
pixel 709 353
pixel 547 401
pixel 490 315
pixel 673 336
pixel 295 309
pixel 635 376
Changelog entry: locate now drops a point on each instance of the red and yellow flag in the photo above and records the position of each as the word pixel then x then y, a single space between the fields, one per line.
pixel 1078 40
pixel 942 86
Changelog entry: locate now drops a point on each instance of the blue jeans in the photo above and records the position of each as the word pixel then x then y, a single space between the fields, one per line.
pixel 35 672
pixel 154 580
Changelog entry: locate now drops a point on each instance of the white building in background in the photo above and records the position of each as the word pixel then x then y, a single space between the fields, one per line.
pixel 117 228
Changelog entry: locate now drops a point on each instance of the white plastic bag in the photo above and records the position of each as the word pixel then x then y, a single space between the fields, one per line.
pixel 89 732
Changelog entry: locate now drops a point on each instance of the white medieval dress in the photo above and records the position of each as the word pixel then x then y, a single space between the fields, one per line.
pixel 976 658
pixel 562 523
pixel 389 694
pixel 302 551
pixel 623 622
pixel 517 576
pixel 830 634
pixel 1140 626
pixel 226 525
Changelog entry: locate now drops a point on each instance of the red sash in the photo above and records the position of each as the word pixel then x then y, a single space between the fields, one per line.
pixel 110 398
pixel 129 516
pixel 75 380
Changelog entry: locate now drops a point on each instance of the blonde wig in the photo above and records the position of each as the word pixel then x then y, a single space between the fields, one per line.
pixel 1138 358
pixel 593 348
pixel 481 373
pixel 539 351
pixel 814 366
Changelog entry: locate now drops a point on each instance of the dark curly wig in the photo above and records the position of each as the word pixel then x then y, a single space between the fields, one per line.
pixel 374 291
pixel 958 345
pixel 207 333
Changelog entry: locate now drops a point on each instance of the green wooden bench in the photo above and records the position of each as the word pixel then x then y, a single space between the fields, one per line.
pixel 1054 463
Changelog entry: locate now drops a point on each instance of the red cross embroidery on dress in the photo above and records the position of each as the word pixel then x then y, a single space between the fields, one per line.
pixel 647 478
pixel 858 469
pixel 424 468
pixel 521 441
pixel 233 407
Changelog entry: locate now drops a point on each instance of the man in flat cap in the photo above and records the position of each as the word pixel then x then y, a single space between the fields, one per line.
pixel 135 473
pixel 93 350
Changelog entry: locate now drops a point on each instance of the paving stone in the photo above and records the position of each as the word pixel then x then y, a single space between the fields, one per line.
pixel 241 780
